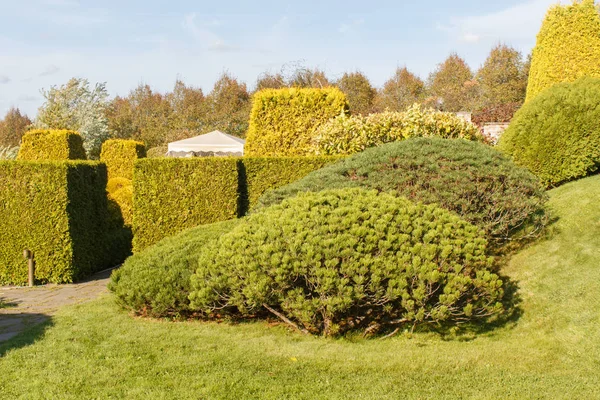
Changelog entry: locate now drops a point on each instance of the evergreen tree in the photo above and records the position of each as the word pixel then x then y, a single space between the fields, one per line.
pixel 567 48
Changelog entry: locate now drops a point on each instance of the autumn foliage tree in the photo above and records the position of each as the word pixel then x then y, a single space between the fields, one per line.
pixel 502 79
pixel 359 92
pixel 400 92
pixel 12 127
pixel 453 85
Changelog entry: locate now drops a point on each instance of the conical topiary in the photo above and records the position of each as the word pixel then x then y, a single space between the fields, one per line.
pixel 568 46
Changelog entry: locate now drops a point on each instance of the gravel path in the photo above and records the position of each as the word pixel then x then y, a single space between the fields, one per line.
pixel 32 306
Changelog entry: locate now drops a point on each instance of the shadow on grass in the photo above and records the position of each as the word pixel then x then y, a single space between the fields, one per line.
pixel 21 330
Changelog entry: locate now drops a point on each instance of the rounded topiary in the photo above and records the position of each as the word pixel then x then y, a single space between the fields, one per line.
pixel 353 134
pixel 557 134
pixel 469 178
pixel 349 259
pixel 156 281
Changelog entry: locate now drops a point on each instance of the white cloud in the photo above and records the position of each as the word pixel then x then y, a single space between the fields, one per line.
pixel 204 36
pixel 4 79
pixel 515 24
pixel 50 70
pixel 351 26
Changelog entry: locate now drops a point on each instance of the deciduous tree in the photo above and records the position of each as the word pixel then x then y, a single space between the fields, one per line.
pixel 502 79
pixel 12 127
pixel 359 92
pixel 400 91
pixel 453 85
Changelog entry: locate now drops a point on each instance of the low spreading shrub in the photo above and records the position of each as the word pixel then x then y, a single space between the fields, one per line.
pixel 471 179
pixel 349 259
pixel 156 281
pixel 58 210
pixel 557 134
pixel 283 122
pixel 173 194
pixel 120 155
pixel 349 135
pixel 43 144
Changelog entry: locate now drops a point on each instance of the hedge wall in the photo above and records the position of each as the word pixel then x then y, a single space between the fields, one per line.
pixel 120 155
pixel 264 173
pixel 283 121
pixel 44 144
pixel 59 211
pixel 172 194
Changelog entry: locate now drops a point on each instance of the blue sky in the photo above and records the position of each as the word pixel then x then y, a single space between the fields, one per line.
pixel 123 43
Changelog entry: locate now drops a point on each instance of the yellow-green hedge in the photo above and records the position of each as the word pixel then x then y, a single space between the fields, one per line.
pixel 567 48
pixel 59 211
pixel 45 144
pixel 283 122
pixel 173 194
pixel 120 155
pixel 261 174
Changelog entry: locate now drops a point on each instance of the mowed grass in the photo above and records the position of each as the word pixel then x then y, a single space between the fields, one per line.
pixel 96 350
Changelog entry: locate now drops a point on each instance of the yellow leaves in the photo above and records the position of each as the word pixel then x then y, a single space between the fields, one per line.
pixel 57 144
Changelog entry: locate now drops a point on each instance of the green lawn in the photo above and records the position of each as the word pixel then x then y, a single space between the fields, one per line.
pixel 553 351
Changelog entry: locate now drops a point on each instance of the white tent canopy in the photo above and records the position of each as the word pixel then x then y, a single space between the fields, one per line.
pixel 215 141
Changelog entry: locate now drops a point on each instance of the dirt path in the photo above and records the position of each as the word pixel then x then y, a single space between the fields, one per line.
pixel 31 306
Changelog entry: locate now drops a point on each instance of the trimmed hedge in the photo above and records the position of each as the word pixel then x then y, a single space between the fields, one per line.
pixel 349 259
pixel 156 281
pixel 261 174
pixel 471 179
pixel 173 194
pixel 44 144
pixel 283 122
pixel 59 211
pixel 557 134
pixel 120 155
pixel 349 135
pixel 567 47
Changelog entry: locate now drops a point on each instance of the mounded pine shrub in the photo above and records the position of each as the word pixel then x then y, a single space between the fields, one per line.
pixel 557 134
pixel 283 122
pixel 156 281
pixel 44 144
pixel 349 259
pixel 349 135
pixel 471 179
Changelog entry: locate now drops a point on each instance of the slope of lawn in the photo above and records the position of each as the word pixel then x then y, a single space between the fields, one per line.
pixel 97 351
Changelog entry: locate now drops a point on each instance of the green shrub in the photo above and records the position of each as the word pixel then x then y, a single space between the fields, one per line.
pixel 42 144
pixel 469 178
pixel 557 134
pixel 157 152
pixel 156 281
pixel 349 259
pixel 567 48
pixel 283 122
pixel 349 135
pixel 173 194
pixel 59 211
pixel 120 155
pixel 264 173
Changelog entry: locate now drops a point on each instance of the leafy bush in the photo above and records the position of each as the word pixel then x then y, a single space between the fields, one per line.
pixel 567 48
pixel 120 155
pixel 557 134
pixel 348 135
pixel 283 121
pixel 173 194
pixel 41 144
pixel 156 281
pixel 497 113
pixel 264 173
pixel 471 179
pixel 58 210
pixel 157 152
pixel 349 259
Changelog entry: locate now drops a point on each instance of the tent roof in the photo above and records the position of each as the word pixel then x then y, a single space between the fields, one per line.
pixel 216 138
